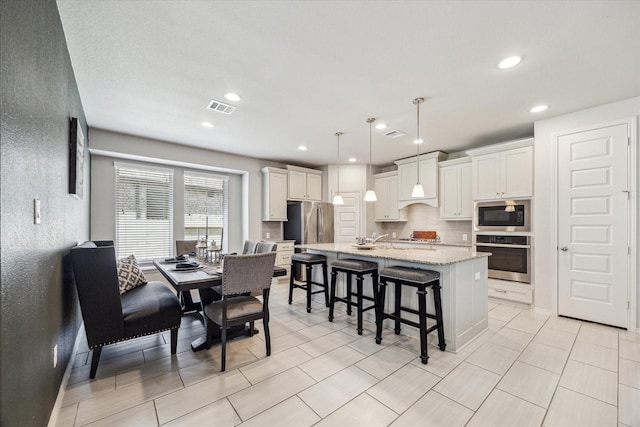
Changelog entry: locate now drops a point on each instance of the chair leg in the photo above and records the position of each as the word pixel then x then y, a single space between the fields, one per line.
pixel 251 328
pixel 382 291
pixel 332 298
pixel 398 300
pixel 94 362
pixel 359 281
pixel 309 280
pixel 348 293
pixel 223 341
pixel 326 284
pixel 174 340
pixel 422 310
pixel 438 306
pixel 374 284
pixel 267 335
pixel 291 274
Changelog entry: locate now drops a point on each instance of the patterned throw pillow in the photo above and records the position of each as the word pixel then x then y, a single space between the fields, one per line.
pixel 129 274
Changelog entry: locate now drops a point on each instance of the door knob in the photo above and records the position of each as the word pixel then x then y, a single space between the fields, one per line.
pixel 564 249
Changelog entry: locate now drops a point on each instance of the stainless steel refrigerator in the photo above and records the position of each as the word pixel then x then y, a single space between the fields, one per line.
pixel 309 222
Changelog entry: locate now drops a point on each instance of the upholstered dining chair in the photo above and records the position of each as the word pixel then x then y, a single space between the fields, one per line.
pixel 185 246
pixel 111 316
pixel 242 275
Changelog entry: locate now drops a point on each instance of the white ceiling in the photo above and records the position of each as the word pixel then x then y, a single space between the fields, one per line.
pixel 306 69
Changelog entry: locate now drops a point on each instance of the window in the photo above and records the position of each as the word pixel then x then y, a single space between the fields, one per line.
pixel 205 207
pixel 144 211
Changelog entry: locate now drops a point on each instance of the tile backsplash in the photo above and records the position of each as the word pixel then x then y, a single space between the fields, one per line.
pixel 274 229
pixel 425 217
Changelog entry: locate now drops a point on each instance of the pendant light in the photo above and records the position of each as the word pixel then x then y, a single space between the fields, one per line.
pixel 370 195
pixel 337 200
pixel 418 190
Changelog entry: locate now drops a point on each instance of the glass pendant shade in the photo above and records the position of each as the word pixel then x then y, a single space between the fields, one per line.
pixel 418 191
pixel 337 200
pixel 370 196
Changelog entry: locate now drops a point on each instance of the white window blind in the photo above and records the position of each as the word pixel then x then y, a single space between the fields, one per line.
pixel 205 207
pixel 144 211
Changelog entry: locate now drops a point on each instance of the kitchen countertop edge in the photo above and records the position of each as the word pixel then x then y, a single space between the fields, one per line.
pixel 418 255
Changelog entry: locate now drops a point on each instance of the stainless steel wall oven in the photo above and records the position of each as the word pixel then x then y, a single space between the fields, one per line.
pixel 511 256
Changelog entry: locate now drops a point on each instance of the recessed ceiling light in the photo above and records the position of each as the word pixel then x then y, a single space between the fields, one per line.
pixel 509 62
pixel 207 124
pixel 381 126
pixel 418 141
pixel 233 97
pixel 302 147
pixel 352 159
pixel 539 108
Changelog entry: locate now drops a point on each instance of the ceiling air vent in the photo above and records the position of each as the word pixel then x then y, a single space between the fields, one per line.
pixel 394 134
pixel 221 107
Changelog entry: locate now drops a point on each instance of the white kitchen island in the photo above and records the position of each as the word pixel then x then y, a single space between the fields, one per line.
pixel 463 278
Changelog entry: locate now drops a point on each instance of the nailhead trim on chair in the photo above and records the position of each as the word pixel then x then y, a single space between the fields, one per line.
pixel 130 338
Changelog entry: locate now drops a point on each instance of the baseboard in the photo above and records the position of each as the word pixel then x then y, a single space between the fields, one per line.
pixel 53 419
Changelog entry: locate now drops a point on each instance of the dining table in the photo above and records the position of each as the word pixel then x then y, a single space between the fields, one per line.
pixel 207 279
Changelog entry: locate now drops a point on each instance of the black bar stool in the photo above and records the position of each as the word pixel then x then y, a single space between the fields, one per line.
pixel 309 260
pixel 359 268
pixel 416 278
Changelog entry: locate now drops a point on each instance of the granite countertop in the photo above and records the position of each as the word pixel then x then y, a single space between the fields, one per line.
pixel 433 256
pixel 423 242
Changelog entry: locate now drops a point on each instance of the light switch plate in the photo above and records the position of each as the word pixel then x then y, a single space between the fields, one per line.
pixel 464 237
pixel 36 211
pixel 268 235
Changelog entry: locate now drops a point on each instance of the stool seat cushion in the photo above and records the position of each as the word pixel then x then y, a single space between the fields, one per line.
pixel 354 264
pixel 304 257
pixel 409 274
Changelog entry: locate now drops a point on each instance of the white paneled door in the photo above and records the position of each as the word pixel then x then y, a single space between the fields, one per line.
pixel 593 225
pixel 347 217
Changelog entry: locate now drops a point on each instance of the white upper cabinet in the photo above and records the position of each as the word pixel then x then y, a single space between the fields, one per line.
pixel 304 184
pixel 456 202
pixel 407 178
pixel 386 207
pixel 504 173
pixel 274 194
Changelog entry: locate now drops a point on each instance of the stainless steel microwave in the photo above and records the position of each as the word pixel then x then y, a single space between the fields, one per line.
pixel 504 215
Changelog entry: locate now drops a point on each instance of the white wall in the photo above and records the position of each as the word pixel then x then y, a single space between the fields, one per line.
pixel 543 215
pixel 245 180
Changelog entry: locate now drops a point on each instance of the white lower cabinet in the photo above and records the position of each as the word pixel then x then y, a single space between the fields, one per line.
pixel 511 291
pixel 283 257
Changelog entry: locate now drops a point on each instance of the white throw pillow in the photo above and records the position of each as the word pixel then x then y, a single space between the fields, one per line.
pixel 129 274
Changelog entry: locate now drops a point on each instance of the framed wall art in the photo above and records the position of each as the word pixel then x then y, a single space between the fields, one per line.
pixel 76 158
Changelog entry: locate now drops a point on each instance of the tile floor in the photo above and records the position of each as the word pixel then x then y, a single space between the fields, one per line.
pixel 526 370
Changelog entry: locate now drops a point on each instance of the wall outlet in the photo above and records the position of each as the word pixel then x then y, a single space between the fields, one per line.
pixel 55 355
pixel 393 235
pixel 268 235
pixel 464 237
pixel 477 275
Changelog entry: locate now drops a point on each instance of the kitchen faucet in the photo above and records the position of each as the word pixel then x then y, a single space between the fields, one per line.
pixel 375 239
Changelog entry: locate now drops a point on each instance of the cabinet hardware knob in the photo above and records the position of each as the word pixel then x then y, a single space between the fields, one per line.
pixel 564 249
